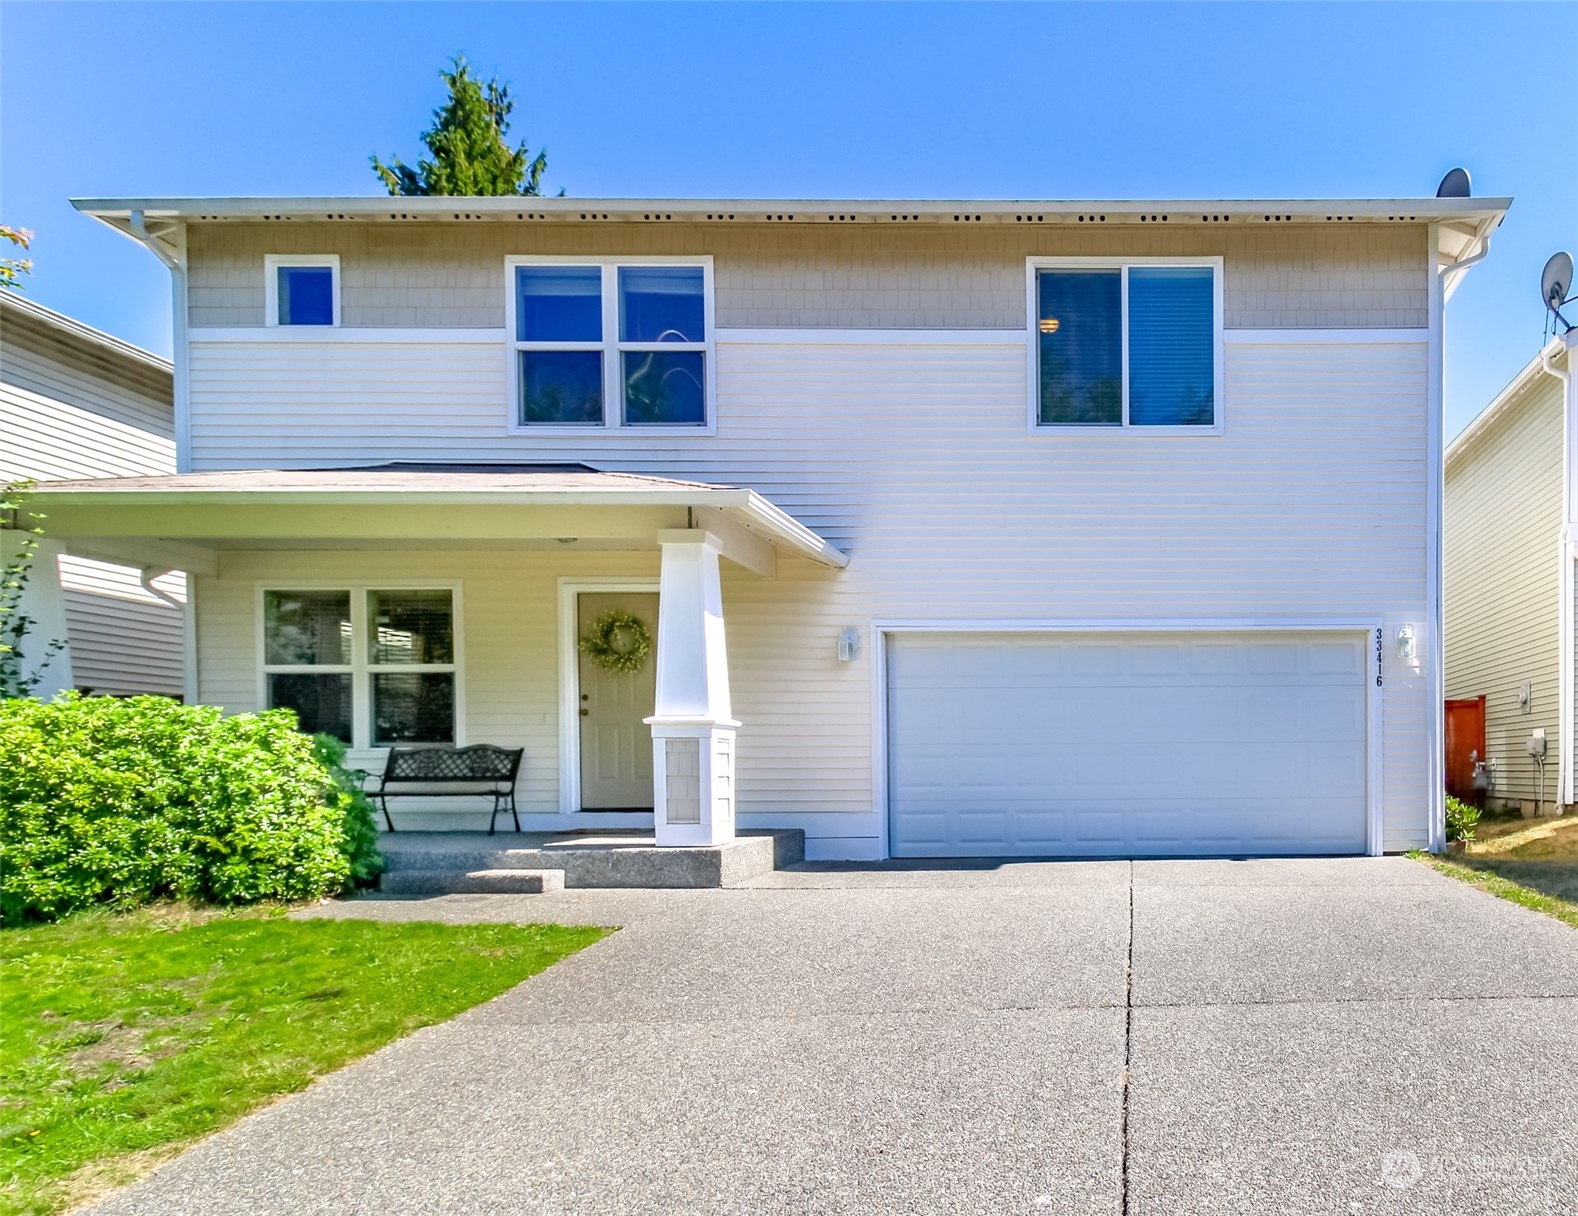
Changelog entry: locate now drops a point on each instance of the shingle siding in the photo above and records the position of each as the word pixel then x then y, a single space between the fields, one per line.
pixel 812 277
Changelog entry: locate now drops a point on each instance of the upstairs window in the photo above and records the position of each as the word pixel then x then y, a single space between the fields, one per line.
pixel 1126 345
pixel 610 343
pixel 302 290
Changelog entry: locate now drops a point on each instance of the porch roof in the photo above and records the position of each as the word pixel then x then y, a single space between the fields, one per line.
pixel 410 502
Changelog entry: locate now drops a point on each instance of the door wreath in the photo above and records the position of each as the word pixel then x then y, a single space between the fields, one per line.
pixel 617 642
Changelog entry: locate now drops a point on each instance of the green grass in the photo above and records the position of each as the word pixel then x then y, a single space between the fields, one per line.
pixel 1532 862
pixel 123 1037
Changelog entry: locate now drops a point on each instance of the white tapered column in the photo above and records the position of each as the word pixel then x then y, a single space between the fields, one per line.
pixel 692 722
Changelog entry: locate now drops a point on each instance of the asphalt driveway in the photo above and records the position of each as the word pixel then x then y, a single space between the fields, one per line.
pixel 1347 1036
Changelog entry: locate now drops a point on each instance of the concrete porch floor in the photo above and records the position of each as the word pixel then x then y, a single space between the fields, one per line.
pixel 419 863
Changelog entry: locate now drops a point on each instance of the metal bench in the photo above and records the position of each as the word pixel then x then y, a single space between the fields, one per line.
pixel 480 770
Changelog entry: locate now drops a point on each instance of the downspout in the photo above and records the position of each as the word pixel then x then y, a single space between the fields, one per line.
pixel 1565 573
pixel 188 611
pixel 181 403
pixel 177 264
pixel 1434 558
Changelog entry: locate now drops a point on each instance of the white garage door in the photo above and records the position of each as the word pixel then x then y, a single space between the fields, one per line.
pixel 1126 745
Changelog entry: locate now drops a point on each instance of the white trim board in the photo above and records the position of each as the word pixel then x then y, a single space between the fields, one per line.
pixel 1325 337
pixel 442 336
pixel 1375 649
pixel 570 590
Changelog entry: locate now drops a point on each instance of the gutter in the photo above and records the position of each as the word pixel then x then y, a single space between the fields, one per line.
pixel 1435 494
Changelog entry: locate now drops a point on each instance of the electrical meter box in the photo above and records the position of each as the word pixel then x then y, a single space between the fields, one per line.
pixel 1537 743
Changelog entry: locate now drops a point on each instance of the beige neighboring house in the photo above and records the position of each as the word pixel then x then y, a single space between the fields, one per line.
pixel 77 403
pixel 1509 594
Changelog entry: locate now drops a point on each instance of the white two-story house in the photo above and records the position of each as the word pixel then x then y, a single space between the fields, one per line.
pixel 993 529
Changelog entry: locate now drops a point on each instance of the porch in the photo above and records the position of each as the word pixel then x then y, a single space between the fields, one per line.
pixel 445 604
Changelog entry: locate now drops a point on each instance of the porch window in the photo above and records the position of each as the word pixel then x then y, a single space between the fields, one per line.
pixel 610 343
pixel 1126 345
pixel 370 666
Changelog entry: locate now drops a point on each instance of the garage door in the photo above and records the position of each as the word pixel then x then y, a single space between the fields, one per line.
pixel 1132 745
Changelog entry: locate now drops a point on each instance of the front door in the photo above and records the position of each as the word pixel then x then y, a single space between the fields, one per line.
pixel 616 744
pixel 1465 744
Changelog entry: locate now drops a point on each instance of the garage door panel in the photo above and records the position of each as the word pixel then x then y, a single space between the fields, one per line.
pixel 1171 745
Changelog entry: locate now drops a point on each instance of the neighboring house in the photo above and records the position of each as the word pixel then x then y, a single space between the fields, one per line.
pixel 1509 515
pixel 75 402
pixel 1079 529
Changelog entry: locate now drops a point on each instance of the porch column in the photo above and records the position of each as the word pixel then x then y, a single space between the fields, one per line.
pixel 692 723
pixel 45 603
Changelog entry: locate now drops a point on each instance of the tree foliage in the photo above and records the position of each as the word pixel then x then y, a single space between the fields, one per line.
pixel 468 152
pixel 12 269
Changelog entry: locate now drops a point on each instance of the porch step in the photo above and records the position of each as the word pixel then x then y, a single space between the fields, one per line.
pixel 472 882
pixel 589 859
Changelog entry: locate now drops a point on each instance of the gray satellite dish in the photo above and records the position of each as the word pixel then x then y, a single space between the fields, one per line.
pixel 1455 185
pixel 1556 282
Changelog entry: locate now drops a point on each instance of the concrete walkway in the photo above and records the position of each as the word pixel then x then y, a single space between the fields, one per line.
pixel 1297 1037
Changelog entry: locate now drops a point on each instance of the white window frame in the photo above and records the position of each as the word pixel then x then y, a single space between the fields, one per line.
pixel 1033 345
pixel 361 669
pixel 611 347
pixel 274 262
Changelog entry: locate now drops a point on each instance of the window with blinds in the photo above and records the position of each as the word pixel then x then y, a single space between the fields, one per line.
pixel 1127 345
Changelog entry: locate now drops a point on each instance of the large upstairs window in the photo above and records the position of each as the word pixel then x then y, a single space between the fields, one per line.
pixel 1126 344
pixel 610 342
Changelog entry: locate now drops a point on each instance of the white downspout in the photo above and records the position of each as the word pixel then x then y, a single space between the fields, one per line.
pixel 181 403
pixel 1434 560
pixel 177 264
pixel 1565 572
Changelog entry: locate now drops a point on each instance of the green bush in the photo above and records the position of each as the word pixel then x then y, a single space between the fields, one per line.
pixel 360 845
pixel 125 801
pixel 1461 819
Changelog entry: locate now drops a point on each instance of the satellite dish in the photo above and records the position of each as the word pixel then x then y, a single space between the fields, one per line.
pixel 1556 282
pixel 1455 185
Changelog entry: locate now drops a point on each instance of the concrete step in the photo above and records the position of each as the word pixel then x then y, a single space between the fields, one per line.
pixel 591 859
pixel 472 882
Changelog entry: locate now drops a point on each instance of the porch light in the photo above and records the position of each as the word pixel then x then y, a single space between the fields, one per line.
pixel 848 645
pixel 1049 325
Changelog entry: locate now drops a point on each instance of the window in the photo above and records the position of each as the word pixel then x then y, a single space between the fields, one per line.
pixel 371 667
pixel 610 343
pixel 301 290
pixel 1126 345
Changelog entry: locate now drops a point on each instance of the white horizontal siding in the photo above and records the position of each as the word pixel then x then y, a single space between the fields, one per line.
pixel 915 459
pixel 69 409
pixel 123 640
pixel 1502 519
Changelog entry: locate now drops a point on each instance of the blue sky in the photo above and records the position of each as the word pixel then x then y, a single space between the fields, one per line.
pixel 889 100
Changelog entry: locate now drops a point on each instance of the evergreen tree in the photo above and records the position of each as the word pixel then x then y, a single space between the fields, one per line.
pixel 467 145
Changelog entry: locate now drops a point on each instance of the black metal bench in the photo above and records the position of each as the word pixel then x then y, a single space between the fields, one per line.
pixel 480 770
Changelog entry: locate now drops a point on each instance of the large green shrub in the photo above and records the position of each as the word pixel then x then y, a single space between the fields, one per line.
pixel 360 844
pixel 123 801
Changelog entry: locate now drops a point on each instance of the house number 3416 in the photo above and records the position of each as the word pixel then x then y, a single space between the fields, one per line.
pixel 1380 648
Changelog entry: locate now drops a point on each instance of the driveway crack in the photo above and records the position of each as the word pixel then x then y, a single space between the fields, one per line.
pixel 1128 1028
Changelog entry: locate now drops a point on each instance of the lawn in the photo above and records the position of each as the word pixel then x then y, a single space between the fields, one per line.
pixel 127 1036
pixel 1533 862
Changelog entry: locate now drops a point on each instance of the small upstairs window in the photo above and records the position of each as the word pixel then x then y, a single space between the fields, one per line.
pixel 302 290
pixel 1126 345
pixel 607 342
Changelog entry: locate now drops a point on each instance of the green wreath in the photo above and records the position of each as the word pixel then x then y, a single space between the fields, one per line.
pixel 617 642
